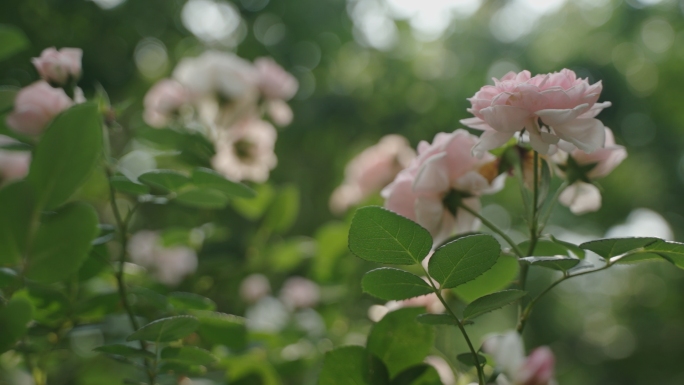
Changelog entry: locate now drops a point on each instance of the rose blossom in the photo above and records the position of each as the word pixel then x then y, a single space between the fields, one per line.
pixel 444 172
pixel 298 292
pixel 516 369
pixel 274 81
pixel 246 151
pixel 162 100
pixel 13 164
pixel 217 72
pixel 169 265
pixel 565 105
pixel 279 111
pixel 371 170
pixel 59 67
pixel 35 106
pixel 582 196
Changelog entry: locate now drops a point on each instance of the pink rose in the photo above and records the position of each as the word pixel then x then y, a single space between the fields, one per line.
pixel 35 106
pixel 162 100
pixel 516 369
pixel 372 170
pixel 59 67
pixel 274 81
pixel 565 105
pixel 13 164
pixel 606 159
pixel 298 292
pixel 538 369
pixel 444 172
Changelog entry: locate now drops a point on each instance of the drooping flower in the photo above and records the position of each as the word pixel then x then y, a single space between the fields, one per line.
pixel 371 170
pixel 299 292
pixel 509 355
pixel 246 151
pixel 169 265
pixel 274 81
pixel 13 164
pixel 163 100
pixel 444 174
pixel 565 105
pixel 35 106
pixel 581 169
pixel 59 67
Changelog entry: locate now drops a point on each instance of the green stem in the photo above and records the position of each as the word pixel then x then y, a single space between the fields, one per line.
pixel 122 226
pixel 525 315
pixel 534 236
pixel 495 229
pixel 552 205
pixel 480 372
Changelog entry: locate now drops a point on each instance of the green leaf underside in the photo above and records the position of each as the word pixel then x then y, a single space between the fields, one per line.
pixel 124 351
pixel 436 319
pixel 379 235
pixel 464 260
pixel 188 355
pixel 559 263
pixel 204 198
pixel 497 278
pixel 609 248
pixel 491 302
pixel 393 284
pixel 467 359
pixel 69 149
pixel 16 208
pixel 166 180
pixel 204 177
pixel 62 243
pixel 352 365
pixel 670 251
pixel 400 341
pixel 166 329
pixel 123 184
pixel 422 374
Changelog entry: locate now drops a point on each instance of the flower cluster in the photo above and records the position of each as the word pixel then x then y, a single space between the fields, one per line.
pixel 37 104
pixel 169 265
pixel 226 95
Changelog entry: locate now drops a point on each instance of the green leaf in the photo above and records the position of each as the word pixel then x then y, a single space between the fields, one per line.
pixel 286 255
pixel 222 329
pixel 12 41
pixel 558 262
pixel 400 341
pixel 379 235
pixel 16 212
pixel 166 329
pixel 545 248
pixel 254 208
pixel 609 248
pixel 436 319
pixel 136 163
pixel 491 302
pixel 497 278
pixel 97 261
pixel 464 260
pixel 8 277
pixel 467 359
pixel 671 251
pixel 204 177
pixel 165 180
pixel 284 209
pixel 190 301
pixel 69 149
pixel 331 239
pixel 124 351
pixel 574 249
pixel 393 284
pixel 422 374
pixel 125 185
pixel 14 319
pixel 188 355
pixel 352 365
pixel 204 198
pixel 7 95
pixel 62 243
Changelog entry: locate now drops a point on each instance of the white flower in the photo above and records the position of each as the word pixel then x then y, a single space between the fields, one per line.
pixel 298 292
pixel 509 355
pixel 254 287
pixel 169 265
pixel 246 151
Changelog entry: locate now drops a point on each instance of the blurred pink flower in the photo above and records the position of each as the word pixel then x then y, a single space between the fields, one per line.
pixel 254 287
pixel 13 164
pixel 298 292
pixel 509 355
pixel 443 170
pixel 430 302
pixel 163 100
pixel 214 72
pixel 246 151
pixel 59 67
pixel 35 106
pixel 583 197
pixel 274 81
pixel 168 265
pixel 279 111
pixel 565 105
pixel 371 170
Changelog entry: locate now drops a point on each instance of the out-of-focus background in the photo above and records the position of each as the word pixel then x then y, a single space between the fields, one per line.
pixel 367 68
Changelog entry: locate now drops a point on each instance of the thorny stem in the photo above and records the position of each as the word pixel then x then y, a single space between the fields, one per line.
pixel 495 229
pixel 122 229
pixel 480 372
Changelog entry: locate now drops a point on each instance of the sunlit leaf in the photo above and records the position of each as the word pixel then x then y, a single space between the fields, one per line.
pixel 464 260
pixel 394 284
pixel 558 262
pixel 504 271
pixel 352 365
pixel 491 302
pixel 609 248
